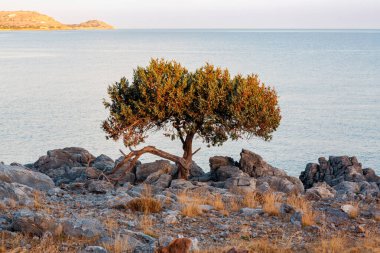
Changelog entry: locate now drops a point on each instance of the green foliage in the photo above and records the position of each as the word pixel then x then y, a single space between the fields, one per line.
pixel 207 102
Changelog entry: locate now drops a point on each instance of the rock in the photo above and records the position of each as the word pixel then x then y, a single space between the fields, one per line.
pixel 243 183
pixel 67 157
pixel 196 171
pixel 225 172
pixel 296 219
pixel 163 181
pixel 347 187
pixel 95 249
pixel 21 175
pixel 348 208
pixel 170 219
pixel 251 211
pixel 82 227
pixel 371 176
pixel 320 191
pixel 103 163
pixel 35 223
pixel 92 173
pixel 218 161
pixel 335 171
pixel 254 165
pixel 119 201
pixel 285 184
pixel 164 241
pixel 144 170
pixel 206 208
pixel 99 186
pixel 285 208
pixel 369 188
pixel 181 184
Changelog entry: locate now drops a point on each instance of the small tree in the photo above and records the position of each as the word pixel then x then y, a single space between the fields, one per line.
pixel 207 103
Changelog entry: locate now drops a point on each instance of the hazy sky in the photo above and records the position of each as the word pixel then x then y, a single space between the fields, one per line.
pixel 210 13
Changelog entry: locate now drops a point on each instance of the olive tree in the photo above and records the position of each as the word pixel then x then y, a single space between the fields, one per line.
pixel 207 103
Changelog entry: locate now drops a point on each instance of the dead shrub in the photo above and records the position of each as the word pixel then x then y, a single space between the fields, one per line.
pixel 144 204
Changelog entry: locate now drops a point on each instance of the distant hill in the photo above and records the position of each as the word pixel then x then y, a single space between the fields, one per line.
pixel 31 20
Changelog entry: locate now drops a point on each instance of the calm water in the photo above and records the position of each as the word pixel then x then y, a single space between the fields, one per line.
pixel 52 85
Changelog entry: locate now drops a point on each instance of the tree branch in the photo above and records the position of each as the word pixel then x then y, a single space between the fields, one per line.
pixel 134 155
pixel 196 151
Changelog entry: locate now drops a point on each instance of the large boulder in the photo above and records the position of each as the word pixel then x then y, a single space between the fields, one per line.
pixel 241 184
pixel 65 165
pixel 225 172
pixel 320 191
pixel 144 170
pixel 103 163
pixel 22 175
pixel 254 165
pixel 218 161
pixel 14 194
pixel 196 171
pixel 286 184
pixel 337 170
pixel 67 157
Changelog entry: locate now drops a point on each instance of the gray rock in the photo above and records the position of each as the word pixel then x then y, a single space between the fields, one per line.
pixel 335 171
pixel 170 219
pixel 320 191
pixel 144 170
pixel 82 227
pixel 251 211
pixel 35 223
pixel 99 186
pixel 242 183
pixel 67 157
pixel 95 249
pixel 21 175
pixel 196 171
pixel 254 165
pixel 285 184
pixel 103 163
pixel 296 219
pixel 218 161
pixel 225 172
pixel 347 187
pixel 181 184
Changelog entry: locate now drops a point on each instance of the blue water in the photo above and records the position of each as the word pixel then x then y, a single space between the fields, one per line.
pixel 52 85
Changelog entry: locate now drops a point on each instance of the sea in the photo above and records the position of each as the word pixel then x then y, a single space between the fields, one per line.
pixel 52 84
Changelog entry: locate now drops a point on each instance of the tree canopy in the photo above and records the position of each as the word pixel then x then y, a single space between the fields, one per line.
pixel 207 103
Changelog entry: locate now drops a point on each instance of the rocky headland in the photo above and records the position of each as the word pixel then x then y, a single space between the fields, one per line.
pixel 31 20
pixel 65 202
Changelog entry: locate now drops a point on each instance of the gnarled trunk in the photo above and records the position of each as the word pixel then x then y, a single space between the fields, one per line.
pixel 183 163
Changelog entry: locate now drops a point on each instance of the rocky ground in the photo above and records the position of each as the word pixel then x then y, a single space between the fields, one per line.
pixel 64 202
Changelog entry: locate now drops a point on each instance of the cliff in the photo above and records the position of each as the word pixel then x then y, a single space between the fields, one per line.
pixel 30 20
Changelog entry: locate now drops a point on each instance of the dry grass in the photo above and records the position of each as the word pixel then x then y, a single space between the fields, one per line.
pixel 335 244
pixel 304 206
pixel 354 212
pixel 145 224
pixel 234 205
pixel 111 225
pixel 271 204
pixel 218 203
pixel 37 200
pixel 250 200
pixel 119 245
pixel 190 203
pixel 145 204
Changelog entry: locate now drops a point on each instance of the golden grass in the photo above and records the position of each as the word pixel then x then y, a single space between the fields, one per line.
pixel 190 203
pixel 304 206
pixel 191 209
pixel 250 200
pixel 234 205
pixel 119 245
pixel 218 203
pixel 354 212
pixel 270 204
pixel 37 200
pixel 145 224
pixel 145 204
pixel 335 244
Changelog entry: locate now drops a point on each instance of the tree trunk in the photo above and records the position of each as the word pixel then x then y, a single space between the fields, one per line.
pixel 183 163
pixel 184 169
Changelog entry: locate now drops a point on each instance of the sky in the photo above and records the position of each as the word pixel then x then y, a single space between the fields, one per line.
pixel 260 14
